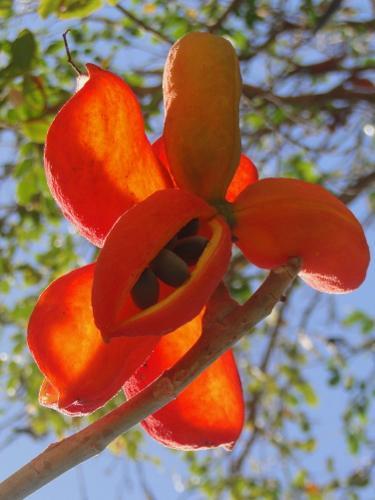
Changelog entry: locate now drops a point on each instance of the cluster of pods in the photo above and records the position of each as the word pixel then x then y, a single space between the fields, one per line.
pixel 165 217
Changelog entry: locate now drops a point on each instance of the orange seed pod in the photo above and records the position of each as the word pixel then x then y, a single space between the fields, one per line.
pixel 202 88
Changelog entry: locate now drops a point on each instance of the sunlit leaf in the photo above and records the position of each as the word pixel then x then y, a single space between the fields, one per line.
pixel 36 130
pixel 47 7
pixel 22 50
pixel 6 8
pixel 360 318
pixel 69 9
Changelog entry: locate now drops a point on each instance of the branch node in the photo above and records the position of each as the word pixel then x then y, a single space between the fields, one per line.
pixel 69 55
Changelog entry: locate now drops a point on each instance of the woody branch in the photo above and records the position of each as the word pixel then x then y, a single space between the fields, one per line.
pixel 225 323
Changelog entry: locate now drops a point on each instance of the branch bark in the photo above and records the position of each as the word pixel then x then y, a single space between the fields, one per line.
pixel 225 323
pixel 230 8
pixel 142 24
pixel 357 187
pixel 253 405
pixel 338 92
pixel 333 7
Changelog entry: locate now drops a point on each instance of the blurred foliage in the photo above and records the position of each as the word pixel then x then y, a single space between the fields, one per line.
pixel 307 112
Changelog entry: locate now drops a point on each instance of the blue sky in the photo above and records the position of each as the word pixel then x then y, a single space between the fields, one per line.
pixel 107 477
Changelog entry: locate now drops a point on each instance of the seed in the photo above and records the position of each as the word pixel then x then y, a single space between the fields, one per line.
pixel 189 229
pixel 190 249
pixel 171 243
pixel 170 268
pixel 145 292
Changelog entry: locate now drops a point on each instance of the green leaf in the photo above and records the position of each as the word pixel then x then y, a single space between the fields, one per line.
pixel 369 63
pixel 54 47
pixel 371 199
pixel 240 40
pixel 78 8
pixel 240 289
pixel 31 276
pixel 22 50
pixel 278 116
pixel 27 188
pixel 360 478
pixel 22 310
pixel 360 318
pixel 34 99
pixel 330 464
pixel 300 478
pixel 251 14
pixel 300 168
pixel 310 10
pixel 334 375
pixel 47 7
pixel 4 286
pixel 353 441
pixel 308 446
pixel 308 393
pixel 36 130
pixel 290 399
pixel 255 120
pixel 179 27
pixel 6 8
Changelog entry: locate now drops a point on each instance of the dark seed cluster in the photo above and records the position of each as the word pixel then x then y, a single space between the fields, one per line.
pixel 171 265
pixel 146 291
pixel 191 248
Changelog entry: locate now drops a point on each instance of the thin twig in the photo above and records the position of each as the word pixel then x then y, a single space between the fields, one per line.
pixel 333 7
pixel 338 92
pixel 357 187
pixel 277 27
pixel 144 25
pixel 223 327
pixel 309 309
pixel 254 403
pixel 68 53
pixel 219 22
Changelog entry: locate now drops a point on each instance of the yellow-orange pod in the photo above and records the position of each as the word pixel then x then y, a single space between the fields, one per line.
pixel 202 88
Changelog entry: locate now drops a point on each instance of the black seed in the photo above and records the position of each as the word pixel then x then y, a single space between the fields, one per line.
pixel 171 243
pixel 145 292
pixel 170 268
pixel 190 249
pixel 189 229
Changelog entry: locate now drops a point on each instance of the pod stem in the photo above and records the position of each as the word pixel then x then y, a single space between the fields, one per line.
pixel 223 316
pixel 69 55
